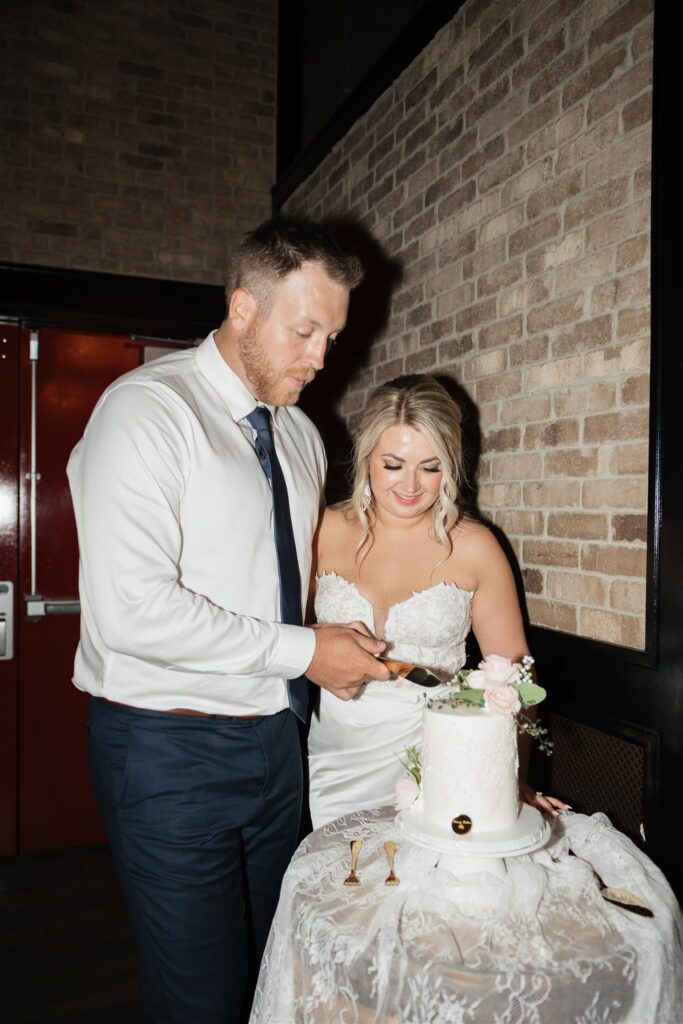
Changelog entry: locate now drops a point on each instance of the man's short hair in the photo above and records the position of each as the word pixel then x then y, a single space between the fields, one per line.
pixel 279 246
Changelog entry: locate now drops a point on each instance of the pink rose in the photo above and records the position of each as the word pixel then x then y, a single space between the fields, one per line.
pixel 493 671
pixel 502 699
pixel 406 792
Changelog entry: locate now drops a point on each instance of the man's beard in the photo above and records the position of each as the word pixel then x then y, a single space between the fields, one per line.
pixel 264 383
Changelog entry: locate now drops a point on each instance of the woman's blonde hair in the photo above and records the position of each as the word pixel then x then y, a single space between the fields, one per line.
pixel 417 401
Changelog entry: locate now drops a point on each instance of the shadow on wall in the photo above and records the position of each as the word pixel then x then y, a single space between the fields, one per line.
pixel 369 313
pixel 472 444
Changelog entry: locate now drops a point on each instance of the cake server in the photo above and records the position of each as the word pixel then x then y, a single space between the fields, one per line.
pixel 413 673
pixel 619 897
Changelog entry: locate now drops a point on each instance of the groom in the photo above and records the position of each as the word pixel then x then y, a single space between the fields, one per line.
pixel 196 488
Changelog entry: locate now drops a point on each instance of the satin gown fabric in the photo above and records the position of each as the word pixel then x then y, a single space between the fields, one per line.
pixel 354 747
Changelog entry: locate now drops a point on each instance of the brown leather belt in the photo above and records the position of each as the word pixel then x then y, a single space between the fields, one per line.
pixel 181 711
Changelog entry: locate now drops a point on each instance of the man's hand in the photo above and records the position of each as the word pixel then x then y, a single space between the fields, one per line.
pixel 344 659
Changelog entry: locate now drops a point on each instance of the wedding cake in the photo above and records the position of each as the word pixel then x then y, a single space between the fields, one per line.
pixel 462 790
pixel 469 770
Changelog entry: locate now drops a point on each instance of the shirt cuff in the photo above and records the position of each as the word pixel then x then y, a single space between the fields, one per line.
pixel 294 651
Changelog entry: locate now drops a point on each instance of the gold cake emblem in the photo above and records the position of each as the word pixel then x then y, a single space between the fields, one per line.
pixel 461 825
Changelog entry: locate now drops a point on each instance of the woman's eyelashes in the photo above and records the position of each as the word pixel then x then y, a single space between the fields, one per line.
pixel 427 469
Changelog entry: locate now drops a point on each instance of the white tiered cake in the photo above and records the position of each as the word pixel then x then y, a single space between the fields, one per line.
pixel 468 807
pixel 469 770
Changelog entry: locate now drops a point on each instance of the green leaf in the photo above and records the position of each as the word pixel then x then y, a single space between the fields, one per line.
pixel 530 694
pixel 475 697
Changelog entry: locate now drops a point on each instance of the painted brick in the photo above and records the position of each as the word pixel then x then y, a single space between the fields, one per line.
pixel 632 252
pixel 587 334
pixel 557 433
pixel 521 410
pixel 577 588
pixel 636 390
pixel 528 237
pixel 552 494
pixel 553 374
pixel 505 440
pixel 572 462
pixel 584 272
pixel 625 18
pixel 516 467
pixel 538 117
pixel 632 322
pixel 616 426
pixel 625 630
pixel 478 313
pixel 520 217
pixel 529 351
pixel 553 615
pixel 617 360
pixel 627 155
pixel 533 581
pixel 628 596
pixel 521 523
pixel 554 194
pixel 629 527
pixel 591 204
pixel 521 297
pixel 613 560
pixel 499 495
pixel 633 220
pixel 615 494
pixel 499 278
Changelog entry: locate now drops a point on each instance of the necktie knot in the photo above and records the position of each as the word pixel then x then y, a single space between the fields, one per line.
pixel 260 420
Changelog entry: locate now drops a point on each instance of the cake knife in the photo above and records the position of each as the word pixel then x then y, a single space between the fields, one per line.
pixel 413 673
pixel 619 897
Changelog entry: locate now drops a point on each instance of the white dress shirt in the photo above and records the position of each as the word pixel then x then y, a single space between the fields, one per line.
pixel 179 586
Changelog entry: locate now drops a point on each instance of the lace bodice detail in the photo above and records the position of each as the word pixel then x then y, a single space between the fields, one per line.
pixel 429 628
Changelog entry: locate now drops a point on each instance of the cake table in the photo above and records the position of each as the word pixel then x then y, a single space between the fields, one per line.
pixel 538 946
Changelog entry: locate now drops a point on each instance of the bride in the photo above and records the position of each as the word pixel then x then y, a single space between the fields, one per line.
pixel 401 557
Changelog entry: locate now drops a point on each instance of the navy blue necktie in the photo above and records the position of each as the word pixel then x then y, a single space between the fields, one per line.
pixel 287 562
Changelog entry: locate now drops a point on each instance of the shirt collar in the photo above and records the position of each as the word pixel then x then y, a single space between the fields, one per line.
pixel 224 380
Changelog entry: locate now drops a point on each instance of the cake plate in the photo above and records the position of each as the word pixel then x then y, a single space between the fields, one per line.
pixel 482 852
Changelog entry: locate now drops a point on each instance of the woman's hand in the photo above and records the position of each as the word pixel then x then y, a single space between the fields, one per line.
pixel 546 804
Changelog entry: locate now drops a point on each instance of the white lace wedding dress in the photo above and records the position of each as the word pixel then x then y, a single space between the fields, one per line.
pixel 354 746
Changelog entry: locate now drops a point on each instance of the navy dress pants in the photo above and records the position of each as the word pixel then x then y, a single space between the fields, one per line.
pixel 202 815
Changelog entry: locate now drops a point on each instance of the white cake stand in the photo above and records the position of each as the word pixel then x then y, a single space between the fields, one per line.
pixel 484 851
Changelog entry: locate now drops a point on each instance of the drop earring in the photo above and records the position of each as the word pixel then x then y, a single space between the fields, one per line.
pixel 366 500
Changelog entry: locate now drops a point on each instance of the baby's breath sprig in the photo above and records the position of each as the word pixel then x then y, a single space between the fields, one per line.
pixel 537 731
pixel 524 674
pixel 411 762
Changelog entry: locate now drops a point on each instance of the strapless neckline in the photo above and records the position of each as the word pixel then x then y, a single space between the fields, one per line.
pixel 417 595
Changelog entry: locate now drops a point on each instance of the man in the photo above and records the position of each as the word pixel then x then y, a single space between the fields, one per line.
pixel 196 488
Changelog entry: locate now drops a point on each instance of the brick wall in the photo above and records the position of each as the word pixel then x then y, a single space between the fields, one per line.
pixel 508 170
pixel 136 137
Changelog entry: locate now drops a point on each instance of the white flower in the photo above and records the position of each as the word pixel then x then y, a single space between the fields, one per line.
pixel 406 792
pixel 493 671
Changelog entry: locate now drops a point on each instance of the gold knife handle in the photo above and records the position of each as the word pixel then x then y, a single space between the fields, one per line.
pixel 413 673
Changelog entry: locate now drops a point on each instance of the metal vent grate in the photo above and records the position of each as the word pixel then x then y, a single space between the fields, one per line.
pixel 594 771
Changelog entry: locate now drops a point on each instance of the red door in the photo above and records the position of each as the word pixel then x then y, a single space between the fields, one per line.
pixel 49 383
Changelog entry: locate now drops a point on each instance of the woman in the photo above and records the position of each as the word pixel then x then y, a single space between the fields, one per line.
pixel 401 557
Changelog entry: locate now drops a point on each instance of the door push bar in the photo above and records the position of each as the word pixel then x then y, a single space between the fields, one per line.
pixel 38 607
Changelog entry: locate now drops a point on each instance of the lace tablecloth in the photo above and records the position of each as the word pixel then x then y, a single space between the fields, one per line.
pixel 540 946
